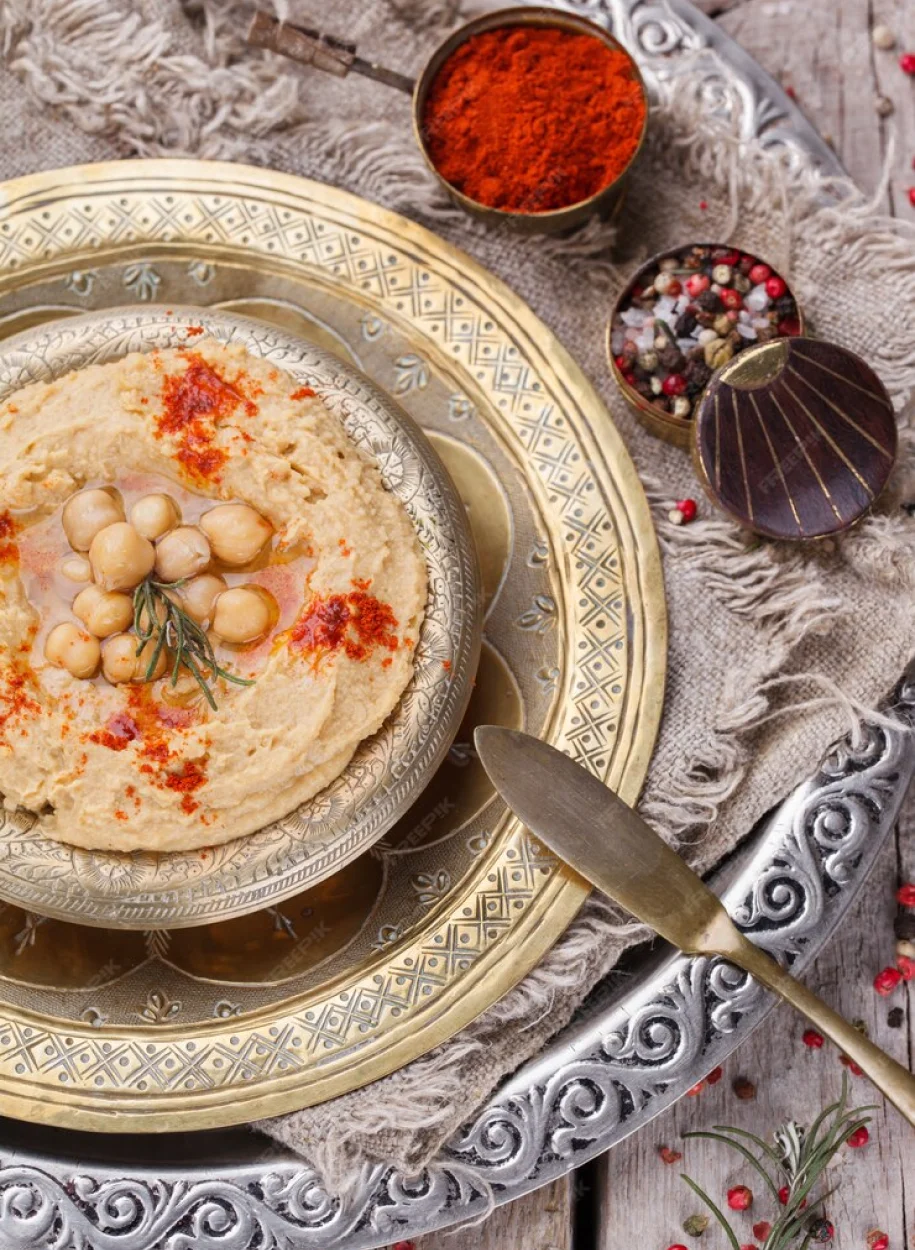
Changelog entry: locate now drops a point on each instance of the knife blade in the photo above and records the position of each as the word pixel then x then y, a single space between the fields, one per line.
pixel 611 846
pixel 600 836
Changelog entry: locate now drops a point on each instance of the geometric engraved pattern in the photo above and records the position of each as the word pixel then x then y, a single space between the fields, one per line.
pixel 565 1106
pixel 605 604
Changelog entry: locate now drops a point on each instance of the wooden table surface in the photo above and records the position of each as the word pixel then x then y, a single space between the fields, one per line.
pixel 629 1200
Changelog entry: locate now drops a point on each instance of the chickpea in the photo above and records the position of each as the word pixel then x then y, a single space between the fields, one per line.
pixel 88 512
pixel 198 595
pixel 119 658
pixel 144 659
pixel 237 532
pixel 183 552
pixel 76 569
pixel 120 558
pixel 68 647
pixel 103 612
pixel 244 614
pixel 154 515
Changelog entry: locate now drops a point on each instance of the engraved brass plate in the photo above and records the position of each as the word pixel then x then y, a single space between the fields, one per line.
pixel 317 994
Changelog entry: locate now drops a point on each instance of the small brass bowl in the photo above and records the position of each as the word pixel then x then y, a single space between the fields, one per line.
pixel 665 425
pixel 605 202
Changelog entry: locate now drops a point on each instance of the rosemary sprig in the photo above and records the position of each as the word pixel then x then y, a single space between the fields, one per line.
pixel 157 616
pixel 796 1162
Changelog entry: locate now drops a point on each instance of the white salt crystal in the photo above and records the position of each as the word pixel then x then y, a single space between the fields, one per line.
pixel 633 316
pixel 617 339
pixel 664 308
pixel 685 344
pixel 757 299
pixel 746 331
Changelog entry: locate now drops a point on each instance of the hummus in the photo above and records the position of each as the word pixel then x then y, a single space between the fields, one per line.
pixel 147 765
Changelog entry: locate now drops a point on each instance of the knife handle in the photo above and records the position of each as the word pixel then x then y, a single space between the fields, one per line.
pixel 894 1081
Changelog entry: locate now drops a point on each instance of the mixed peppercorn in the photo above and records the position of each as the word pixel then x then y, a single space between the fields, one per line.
pixel 688 314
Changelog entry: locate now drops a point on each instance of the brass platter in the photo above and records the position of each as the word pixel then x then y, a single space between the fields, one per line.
pixel 304 1000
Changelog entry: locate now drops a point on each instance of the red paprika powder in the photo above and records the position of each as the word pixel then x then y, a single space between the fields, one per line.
pixel 533 118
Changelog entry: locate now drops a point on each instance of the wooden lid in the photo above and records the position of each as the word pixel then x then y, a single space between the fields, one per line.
pixel 795 438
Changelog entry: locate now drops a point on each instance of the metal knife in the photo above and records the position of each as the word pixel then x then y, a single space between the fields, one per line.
pixel 610 845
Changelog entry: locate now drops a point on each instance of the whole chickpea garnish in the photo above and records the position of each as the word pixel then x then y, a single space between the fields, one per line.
pixel 120 557
pixel 183 552
pixel 68 647
pixel 119 658
pixel 144 659
pixel 237 532
pixel 244 614
pixel 198 595
pixel 88 512
pixel 103 612
pixel 154 515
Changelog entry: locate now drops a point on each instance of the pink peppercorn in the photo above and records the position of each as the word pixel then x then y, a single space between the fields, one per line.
pixel 740 1198
pixel 676 1247
pixel 887 980
pixel 674 384
pixel 813 1039
pixel 762 1229
pixel 674 289
pixel 877 1240
pixel 759 273
pixel 776 287
pixel 697 283
pixel 688 508
pixel 912 196
pixel 906 967
pixel 860 1137
pixel 907 62
pixel 790 327
pixel 688 513
pixel 731 298
pixel 905 895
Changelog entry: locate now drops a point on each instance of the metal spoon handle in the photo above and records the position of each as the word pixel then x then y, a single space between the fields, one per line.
pixel 325 52
pixel 894 1081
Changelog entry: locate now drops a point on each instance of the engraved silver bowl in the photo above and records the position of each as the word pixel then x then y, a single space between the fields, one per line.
pixel 145 890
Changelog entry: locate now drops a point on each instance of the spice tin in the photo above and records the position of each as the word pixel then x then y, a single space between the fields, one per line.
pixel 795 438
pixel 607 201
pixel 665 425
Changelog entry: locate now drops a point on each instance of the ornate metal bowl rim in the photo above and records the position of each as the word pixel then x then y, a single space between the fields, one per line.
pixel 143 890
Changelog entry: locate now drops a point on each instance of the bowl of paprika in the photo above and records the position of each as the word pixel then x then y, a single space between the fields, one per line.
pixel 531 118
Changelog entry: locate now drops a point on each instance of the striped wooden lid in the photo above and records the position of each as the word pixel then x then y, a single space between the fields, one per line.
pixel 795 438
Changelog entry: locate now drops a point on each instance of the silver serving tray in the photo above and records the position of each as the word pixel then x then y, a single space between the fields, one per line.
pixel 637 1045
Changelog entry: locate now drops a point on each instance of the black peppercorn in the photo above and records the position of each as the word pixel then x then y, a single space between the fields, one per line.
pixel 697 375
pixel 686 323
pixel 710 301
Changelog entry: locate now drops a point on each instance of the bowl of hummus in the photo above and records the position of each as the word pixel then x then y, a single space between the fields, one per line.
pixel 239 616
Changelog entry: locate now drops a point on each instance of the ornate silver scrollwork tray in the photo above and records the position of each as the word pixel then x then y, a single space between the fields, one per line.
pixel 637 1046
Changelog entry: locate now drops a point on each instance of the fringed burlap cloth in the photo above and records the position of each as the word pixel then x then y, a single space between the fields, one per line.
pixel 772 648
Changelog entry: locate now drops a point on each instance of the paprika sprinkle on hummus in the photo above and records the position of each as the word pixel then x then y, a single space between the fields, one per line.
pixel 531 119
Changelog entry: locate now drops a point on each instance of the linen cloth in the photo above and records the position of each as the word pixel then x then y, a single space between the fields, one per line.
pixel 772 647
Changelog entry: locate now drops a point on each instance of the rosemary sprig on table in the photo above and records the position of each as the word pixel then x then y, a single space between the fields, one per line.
pixel 794 1165
pixel 157 616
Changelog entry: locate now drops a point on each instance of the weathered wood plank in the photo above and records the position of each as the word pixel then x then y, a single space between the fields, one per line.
pixel 823 51
pixel 539 1221
pixel 644 1202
